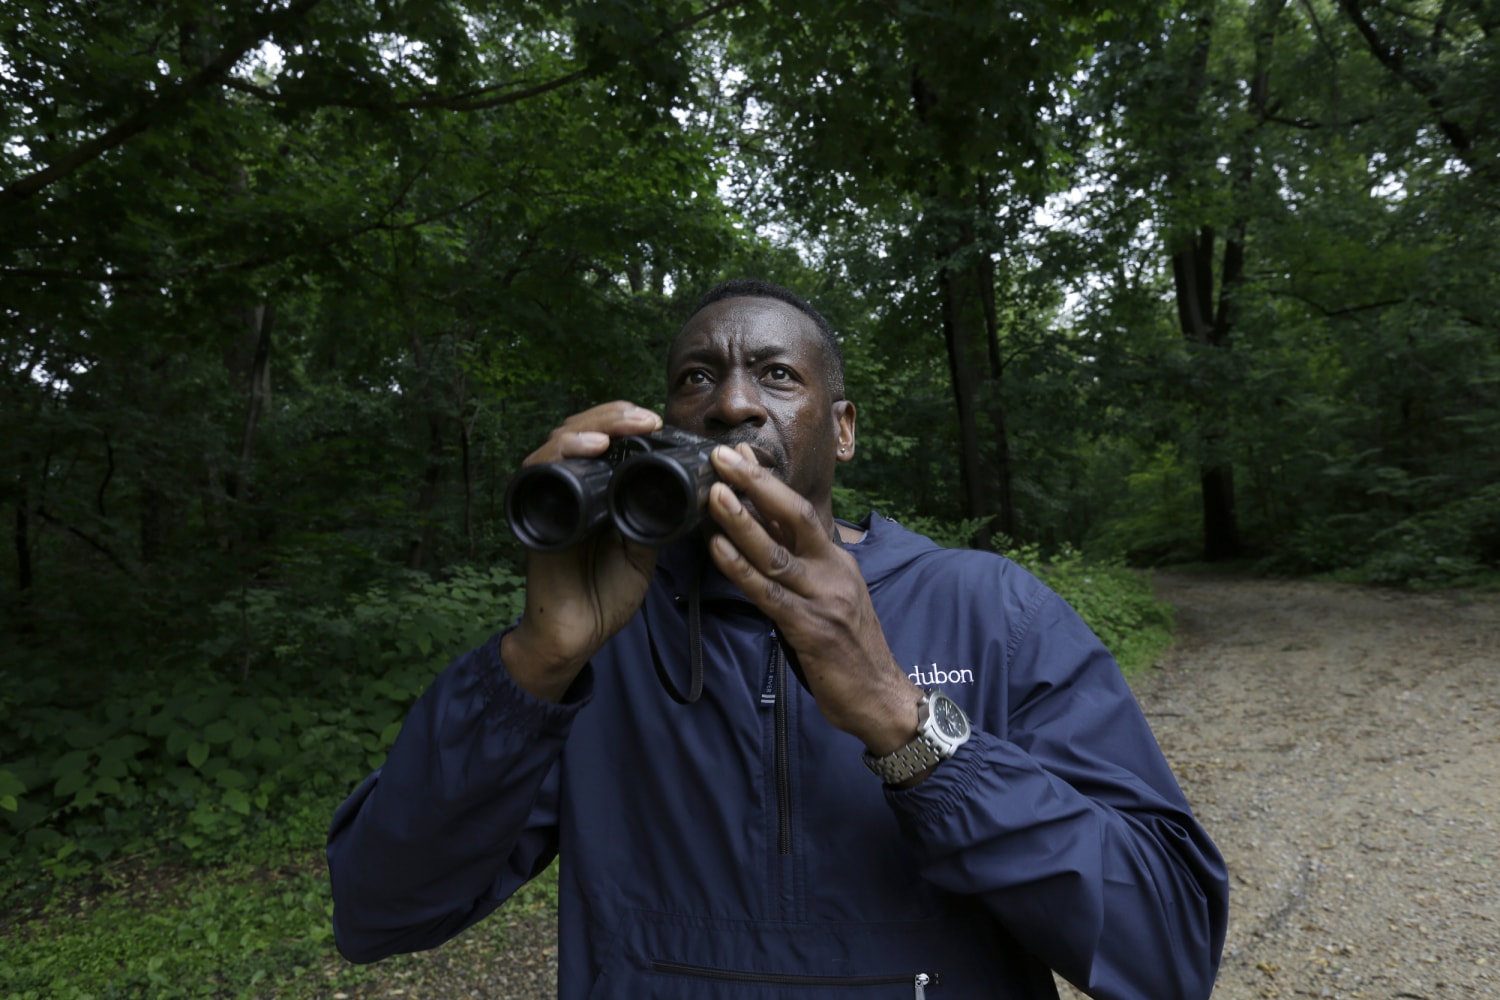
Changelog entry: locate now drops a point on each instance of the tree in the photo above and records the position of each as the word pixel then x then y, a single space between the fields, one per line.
pixel 290 285
pixel 934 124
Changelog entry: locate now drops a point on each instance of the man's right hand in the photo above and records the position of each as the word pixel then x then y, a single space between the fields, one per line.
pixel 576 600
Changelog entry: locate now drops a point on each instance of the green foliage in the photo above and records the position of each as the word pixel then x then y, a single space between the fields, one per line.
pixel 257 927
pixel 1154 520
pixel 1455 545
pixel 194 759
pixel 239 931
pixel 853 504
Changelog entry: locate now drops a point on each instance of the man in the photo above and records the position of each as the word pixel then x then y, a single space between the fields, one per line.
pixel 739 845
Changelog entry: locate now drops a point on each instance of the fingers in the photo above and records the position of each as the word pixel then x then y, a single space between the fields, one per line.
pixel 785 512
pixel 774 590
pixel 770 564
pixel 587 434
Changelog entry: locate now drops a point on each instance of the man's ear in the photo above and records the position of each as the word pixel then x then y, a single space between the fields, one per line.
pixel 843 419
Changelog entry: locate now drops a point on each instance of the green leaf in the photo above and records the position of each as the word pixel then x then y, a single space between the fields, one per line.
pixel 221 731
pixel 10 784
pixel 70 763
pixel 197 754
pixel 178 740
pixel 69 784
pixel 230 778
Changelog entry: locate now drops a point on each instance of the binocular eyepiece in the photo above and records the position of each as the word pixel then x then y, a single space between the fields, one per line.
pixel 653 486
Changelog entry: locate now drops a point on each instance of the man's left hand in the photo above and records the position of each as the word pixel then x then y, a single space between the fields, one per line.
pixel 789 566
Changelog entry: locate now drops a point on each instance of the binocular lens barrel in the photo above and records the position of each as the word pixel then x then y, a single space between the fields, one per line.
pixel 553 507
pixel 655 486
pixel 658 497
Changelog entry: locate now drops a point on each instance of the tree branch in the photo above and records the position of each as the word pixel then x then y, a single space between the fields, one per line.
pixel 1309 124
pixel 1329 313
pixel 247 264
pixel 91 541
pixel 29 185
pixel 483 98
pixel 1394 60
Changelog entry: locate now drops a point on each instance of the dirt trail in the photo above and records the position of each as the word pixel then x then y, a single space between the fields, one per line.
pixel 1342 745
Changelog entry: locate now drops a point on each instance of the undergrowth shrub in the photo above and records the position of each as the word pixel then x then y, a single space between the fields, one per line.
pixel 257 732
pixel 1457 544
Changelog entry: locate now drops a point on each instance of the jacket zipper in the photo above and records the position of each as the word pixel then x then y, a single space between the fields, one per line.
pixel 778 686
pixel 919 982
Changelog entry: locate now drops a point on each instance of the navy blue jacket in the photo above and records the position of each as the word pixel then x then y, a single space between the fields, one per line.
pixel 737 847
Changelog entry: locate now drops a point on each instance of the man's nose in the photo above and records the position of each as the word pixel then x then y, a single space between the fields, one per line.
pixel 737 402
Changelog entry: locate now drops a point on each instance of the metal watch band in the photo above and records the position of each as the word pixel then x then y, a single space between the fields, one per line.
pixel 912 759
pixel 936 740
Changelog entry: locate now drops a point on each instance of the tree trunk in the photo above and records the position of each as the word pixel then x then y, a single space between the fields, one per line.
pixel 24 577
pixel 466 456
pixel 965 377
pixel 1211 326
pixel 251 365
pixel 984 277
pixel 1192 274
pixel 427 496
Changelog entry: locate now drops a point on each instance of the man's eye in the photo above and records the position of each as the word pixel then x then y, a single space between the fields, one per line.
pixel 778 373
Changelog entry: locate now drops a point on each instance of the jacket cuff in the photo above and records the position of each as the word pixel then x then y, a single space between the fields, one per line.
pixel 507 705
pixel 949 786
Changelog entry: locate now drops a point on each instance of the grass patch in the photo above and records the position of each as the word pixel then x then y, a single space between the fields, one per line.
pixel 234 931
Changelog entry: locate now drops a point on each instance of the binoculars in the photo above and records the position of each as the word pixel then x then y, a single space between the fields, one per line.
pixel 653 486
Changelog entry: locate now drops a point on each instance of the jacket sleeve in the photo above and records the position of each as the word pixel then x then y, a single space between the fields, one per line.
pixel 1072 828
pixel 460 816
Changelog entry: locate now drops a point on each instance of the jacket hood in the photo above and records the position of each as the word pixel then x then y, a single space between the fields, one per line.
pixel 887 547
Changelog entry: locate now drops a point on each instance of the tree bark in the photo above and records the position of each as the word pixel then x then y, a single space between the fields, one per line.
pixel 984 277
pixel 964 374
pixel 427 496
pixel 22 537
pixel 1208 324
pixel 255 375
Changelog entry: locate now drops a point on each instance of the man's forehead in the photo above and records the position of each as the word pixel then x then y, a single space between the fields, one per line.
pixel 750 324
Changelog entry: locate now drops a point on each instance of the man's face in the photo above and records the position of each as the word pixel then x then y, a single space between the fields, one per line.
pixel 754 371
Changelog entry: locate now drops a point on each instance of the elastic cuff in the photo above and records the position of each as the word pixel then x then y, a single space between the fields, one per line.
pixel 508 705
pixel 951 783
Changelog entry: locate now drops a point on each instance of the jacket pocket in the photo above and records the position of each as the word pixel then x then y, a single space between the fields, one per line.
pixel 918 982
pixel 663 955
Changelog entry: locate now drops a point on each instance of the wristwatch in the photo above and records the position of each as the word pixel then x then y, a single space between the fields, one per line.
pixel 942 728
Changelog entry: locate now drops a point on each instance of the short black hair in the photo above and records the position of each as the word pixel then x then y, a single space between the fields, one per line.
pixel 755 288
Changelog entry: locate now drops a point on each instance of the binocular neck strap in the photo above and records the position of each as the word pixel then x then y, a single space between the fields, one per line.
pixel 695 639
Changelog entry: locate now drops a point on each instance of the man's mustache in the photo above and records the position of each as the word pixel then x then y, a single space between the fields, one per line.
pixel 769 456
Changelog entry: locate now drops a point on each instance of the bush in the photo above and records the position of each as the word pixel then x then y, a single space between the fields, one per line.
pixel 259 734
pixel 1457 544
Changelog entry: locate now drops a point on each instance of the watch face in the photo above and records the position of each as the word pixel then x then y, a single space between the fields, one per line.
pixel 949 718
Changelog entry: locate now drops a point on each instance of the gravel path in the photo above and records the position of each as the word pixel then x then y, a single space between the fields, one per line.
pixel 1341 744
